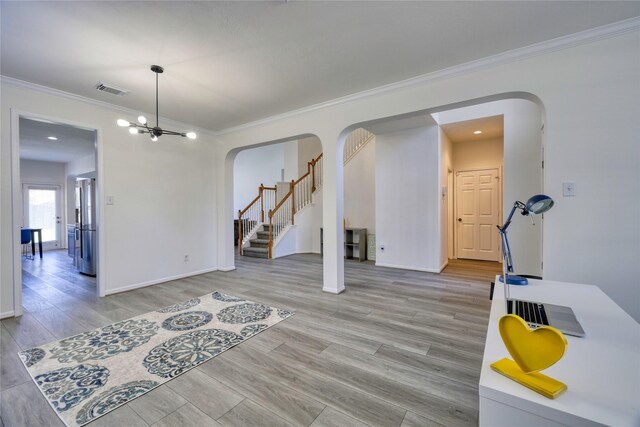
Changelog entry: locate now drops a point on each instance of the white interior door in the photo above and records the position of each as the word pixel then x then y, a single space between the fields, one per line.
pixel 43 209
pixel 477 214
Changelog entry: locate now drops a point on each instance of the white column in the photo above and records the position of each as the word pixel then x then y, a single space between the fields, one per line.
pixel 332 215
pixel 224 211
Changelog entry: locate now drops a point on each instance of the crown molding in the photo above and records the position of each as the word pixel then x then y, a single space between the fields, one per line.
pixel 100 104
pixel 560 43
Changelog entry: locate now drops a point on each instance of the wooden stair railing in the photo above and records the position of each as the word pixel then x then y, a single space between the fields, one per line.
pixel 299 195
pixel 252 216
pixel 281 216
pixel 355 142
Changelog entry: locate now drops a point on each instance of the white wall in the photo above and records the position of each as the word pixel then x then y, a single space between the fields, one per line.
pixel 591 138
pixel 308 149
pixel 359 189
pixel 262 165
pixel 290 160
pixel 308 224
pixel 82 165
pixel 164 195
pixel 522 156
pixel 40 172
pixel 407 199
pixel 487 153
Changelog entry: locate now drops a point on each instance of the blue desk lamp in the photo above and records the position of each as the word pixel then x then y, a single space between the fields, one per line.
pixel 536 205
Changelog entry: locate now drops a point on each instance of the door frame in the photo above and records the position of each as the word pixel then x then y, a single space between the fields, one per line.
pixel 59 188
pixel 455 200
pixel 16 199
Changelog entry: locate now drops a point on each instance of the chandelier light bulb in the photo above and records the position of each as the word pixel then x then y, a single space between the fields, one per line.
pixel 154 138
pixel 133 130
pixel 142 120
pixel 191 135
pixel 123 122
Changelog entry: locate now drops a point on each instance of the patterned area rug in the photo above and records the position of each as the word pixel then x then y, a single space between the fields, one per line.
pixel 87 375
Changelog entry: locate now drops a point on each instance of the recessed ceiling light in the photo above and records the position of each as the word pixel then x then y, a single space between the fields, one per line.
pixel 53 138
pixel 477 132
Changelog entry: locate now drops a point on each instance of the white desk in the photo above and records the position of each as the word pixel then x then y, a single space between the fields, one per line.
pixel 601 370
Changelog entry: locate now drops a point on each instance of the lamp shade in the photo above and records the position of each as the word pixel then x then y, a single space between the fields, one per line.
pixel 539 204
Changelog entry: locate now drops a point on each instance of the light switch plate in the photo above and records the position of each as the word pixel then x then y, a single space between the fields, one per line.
pixel 109 200
pixel 568 189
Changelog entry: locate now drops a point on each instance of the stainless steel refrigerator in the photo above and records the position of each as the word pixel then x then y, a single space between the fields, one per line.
pixel 85 256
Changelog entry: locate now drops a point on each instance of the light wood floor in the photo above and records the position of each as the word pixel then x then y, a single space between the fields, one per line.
pixel 397 348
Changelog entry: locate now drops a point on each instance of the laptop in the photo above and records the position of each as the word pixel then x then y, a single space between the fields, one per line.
pixel 538 314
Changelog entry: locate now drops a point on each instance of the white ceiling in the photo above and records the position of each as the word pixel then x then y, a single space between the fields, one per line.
pixel 491 127
pixel 72 144
pixel 229 63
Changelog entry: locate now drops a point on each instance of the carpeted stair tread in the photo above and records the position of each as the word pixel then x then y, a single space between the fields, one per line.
pixel 259 243
pixel 256 252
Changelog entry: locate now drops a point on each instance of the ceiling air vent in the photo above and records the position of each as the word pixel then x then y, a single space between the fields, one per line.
pixel 111 89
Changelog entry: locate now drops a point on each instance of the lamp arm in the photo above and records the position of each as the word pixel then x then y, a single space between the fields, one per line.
pixel 506 250
pixel 516 205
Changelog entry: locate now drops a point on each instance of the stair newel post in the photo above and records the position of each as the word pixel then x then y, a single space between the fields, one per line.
pixel 313 175
pixel 240 232
pixel 293 200
pixel 270 232
pixel 261 191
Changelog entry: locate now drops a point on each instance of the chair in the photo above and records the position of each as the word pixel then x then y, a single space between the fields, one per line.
pixel 25 240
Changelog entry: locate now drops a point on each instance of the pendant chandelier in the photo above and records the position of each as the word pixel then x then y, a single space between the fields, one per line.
pixel 143 127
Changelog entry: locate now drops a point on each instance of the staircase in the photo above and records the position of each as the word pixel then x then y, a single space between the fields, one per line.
pixel 259 247
pixel 252 220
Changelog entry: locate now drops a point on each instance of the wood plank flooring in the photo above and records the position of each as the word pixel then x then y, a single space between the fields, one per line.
pixel 397 348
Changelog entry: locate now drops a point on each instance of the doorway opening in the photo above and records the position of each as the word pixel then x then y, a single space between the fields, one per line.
pixel 55 161
pixel 277 199
pixel 475 158
pixel 415 183
pixel 493 155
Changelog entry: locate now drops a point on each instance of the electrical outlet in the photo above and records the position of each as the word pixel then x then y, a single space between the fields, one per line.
pixel 568 189
pixel 186 258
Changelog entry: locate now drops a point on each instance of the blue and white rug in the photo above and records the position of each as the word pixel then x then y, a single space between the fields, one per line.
pixel 87 375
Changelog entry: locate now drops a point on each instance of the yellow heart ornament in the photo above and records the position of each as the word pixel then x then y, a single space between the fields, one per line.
pixel 532 351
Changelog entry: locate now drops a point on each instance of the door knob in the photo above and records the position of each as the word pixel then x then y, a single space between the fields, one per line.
pixel 459 219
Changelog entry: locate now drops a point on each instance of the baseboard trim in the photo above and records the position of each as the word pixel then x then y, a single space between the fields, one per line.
pixel 443 266
pixel 157 282
pixel 333 291
pixel 408 267
pixel 231 268
pixel 7 314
